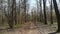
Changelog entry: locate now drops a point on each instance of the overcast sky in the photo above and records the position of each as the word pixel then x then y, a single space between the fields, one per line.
pixel 33 3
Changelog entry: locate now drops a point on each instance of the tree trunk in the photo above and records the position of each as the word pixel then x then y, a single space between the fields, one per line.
pixel 12 17
pixel 51 13
pixel 25 10
pixel 19 20
pixel 9 16
pixel 2 11
pixel 57 14
pixel 15 12
pixel 41 16
pixel 44 4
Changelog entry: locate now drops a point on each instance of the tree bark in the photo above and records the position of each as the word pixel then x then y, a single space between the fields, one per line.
pixel 51 13
pixel 57 14
pixel 15 12
pixel 12 17
pixel 41 16
pixel 44 5
pixel 25 10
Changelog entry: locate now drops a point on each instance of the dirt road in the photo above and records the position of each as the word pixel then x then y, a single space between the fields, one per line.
pixel 29 28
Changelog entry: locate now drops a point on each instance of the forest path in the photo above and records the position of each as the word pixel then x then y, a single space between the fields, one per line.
pixel 30 28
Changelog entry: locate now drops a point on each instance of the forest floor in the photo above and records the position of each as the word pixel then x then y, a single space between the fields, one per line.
pixel 31 28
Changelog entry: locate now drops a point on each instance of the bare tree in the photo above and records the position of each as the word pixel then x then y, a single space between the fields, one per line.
pixel 44 5
pixel 2 10
pixel 15 12
pixel 19 12
pixel 11 15
pixel 57 14
pixel 41 16
pixel 51 12
pixel 25 10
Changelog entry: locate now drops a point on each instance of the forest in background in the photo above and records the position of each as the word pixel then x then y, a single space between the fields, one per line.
pixel 15 13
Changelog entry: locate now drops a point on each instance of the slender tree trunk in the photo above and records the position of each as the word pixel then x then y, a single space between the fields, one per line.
pixel 8 17
pixel 15 12
pixel 12 16
pixel 41 11
pixel 19 20
pixel 2 10
pixel 25 10
pixel 57 14
pixel 19 8
pixel 37 11
pixel 51 13
pixel 44 5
